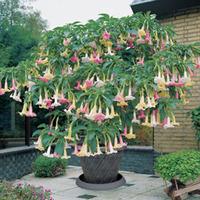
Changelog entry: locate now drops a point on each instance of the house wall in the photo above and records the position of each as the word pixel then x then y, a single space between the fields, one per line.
pixel 187 27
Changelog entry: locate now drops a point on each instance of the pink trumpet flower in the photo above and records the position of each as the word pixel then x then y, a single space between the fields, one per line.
pixel 153 119
pixel 141 115
pixel 129 97
pixel 24 109
pixel 47 76
pixel 109 51
pixel 48 153
pixel 174 123
pixel 56 101
pixel 69 70
pixel 39 61
pixel 190 72
pixel 177 95
pixel 48 103
pixel 98 149
pixel 84 109
pixel 56 155
pixel 110 147
pixel 106 35
pixel 6 89
pixel 116 144
pixel 125 131
pixel 118 47
pixel 63 100
pixel 40 101
pixel 85 59
pixel 66 41
pixel 13 96
pixel 98 60
pixel 147 37
pixel 38 144
pixel 122 143
pixel 112 112
pixel 65 156
pixel 135 120
pixel 185 78
pixel 93 44
pixel 30 112
pixel 74 59
pixel 197 63
pixel 92 113
pixel 159 78
pixel 43 79
pixel 156 96
pixel 50 133
pixel 130 134
pixel 2 91
pixel 99 117
pixel 167 123
pixel 14 87
pixel 71 107
pixel 141 61
pixel 99 83
pixel 108 114
pixel 146 122
pixel 130 43
pixel 141 105
pixel 149 105
pixel 88 84
pixel 180 83
pixel 78 85
pixel 83 151
pixel 119 97
pixel 18 97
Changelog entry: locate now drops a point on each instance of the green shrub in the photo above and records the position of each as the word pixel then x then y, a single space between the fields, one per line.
pixel 23 192
pixel 182 165
pixel 49 167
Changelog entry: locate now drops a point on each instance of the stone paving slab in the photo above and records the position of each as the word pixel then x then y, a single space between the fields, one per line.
pixel 138 187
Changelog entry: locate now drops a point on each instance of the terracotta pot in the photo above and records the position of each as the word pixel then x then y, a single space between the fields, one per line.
pixel 101 168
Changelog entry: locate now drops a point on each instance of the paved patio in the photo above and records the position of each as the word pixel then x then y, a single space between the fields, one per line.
pixel 138 187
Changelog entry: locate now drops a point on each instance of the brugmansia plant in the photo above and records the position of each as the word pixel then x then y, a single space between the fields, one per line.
pixel 96 80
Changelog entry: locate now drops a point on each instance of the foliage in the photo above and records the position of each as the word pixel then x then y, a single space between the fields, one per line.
pixel 98 79
pixel 49 167
pixel 22 192
pixel 20 31
pixel 144 136
pixel 195 116
pixel 183 165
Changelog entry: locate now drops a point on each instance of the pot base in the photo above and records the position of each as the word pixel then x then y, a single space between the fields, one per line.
pixel 80 181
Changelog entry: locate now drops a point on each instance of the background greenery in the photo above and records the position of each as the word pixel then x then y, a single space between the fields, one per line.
pixel 21 29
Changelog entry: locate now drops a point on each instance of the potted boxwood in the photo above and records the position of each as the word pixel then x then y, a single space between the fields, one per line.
pixel 96 80
pixel 45 166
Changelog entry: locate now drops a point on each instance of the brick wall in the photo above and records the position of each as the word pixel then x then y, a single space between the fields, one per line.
pixel 187 27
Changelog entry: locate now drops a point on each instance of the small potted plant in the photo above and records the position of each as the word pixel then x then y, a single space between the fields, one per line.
pixel 45 166
pixel 96 80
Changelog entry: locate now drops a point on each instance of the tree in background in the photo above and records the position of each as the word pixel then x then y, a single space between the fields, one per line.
pixel 21 28
pixel 20 31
